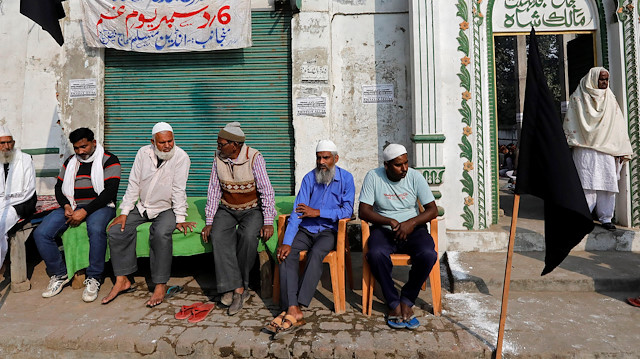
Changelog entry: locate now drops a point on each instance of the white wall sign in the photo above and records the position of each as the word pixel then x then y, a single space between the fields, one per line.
pixel 377 94
pixel 311 106
pixel 314 73
pixel 167 25
pixel 83 88
pixel 543 15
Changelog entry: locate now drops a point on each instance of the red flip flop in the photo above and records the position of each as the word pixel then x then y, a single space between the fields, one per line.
pixel 186 310
pixel 634 301
pixel 199 313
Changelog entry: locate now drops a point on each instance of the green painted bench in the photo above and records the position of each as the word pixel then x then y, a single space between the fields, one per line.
pixel 76 242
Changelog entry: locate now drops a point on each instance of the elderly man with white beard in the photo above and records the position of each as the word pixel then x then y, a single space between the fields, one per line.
pixel 17 188
pixel 157 183
pixel 326 195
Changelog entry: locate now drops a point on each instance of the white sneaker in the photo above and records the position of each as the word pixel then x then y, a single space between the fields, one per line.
pixel 91 290
pixel 56 283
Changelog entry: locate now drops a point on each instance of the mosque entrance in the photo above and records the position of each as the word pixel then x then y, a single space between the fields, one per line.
pixel 566 58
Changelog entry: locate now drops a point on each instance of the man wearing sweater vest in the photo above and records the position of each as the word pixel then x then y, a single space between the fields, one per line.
pixel 86 191
pixel 156 193
pixel 240 195
pixel 17 188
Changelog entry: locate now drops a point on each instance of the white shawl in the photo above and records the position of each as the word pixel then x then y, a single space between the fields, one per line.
pixel 97 174
pixel 594 119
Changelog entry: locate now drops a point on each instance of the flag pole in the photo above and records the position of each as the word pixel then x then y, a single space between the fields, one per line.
pixel 507 276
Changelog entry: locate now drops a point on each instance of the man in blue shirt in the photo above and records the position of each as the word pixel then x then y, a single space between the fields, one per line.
pixel 326 195
pixel 389 201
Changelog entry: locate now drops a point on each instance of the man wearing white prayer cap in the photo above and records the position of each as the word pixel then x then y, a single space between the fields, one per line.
pixel 390 201
pixel 86 191
pixel 240 196
pixel 597 132
pixel 156 193
pixel 17 188
pixel 326 195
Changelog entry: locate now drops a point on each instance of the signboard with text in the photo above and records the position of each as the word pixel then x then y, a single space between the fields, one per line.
pixel 544 15
pixel 167 25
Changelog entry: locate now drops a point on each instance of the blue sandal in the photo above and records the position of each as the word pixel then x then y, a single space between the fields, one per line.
pixel 412 323
pixel 396 322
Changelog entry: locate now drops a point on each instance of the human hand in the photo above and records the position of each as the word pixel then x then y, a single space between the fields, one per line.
pixel 206 231
pixel 306 211
pixel 282 252
pixel 121 220
pixel 404 229
pixel 77 217
pixel 182 227
pixel 68 211
pixel 393 224
pixel 266 232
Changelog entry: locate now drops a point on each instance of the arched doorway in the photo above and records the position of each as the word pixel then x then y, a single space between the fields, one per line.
pixel 572 41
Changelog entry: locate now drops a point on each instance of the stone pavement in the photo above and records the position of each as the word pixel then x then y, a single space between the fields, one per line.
pixel 540 324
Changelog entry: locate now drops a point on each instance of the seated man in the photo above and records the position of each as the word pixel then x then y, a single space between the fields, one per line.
pixel 17 188
pixel 156 193
pixel 326 195
pixel 389 201
pixel 240 195
pixel 86 190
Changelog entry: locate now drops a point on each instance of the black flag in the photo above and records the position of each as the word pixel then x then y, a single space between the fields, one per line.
pixel 45 13
pixel 546 169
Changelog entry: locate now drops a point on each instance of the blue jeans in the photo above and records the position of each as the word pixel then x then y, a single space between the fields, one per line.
pixel 55 224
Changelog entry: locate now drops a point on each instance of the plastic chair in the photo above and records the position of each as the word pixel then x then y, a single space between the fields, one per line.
pixel 368 281
pixel 335 259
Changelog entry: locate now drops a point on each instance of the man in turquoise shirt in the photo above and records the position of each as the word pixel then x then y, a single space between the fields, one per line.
pixel 389 201
pixel 326 195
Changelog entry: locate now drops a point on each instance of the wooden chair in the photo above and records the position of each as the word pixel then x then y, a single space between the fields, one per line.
pixel 336 260
pixel 368 281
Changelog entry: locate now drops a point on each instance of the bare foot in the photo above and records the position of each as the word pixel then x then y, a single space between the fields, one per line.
pixel 395 312
pixel 122 284
pixel 296 312
pixel 158 295
pixel 407 311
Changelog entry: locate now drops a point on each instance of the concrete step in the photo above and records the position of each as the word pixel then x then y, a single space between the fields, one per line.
pixel 581 271
pixel 530 237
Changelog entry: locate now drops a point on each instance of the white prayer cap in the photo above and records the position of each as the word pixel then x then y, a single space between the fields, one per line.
pixel 392 151
pixel 232 132
pixel 161 127
pixel 4 131
pixel 326 145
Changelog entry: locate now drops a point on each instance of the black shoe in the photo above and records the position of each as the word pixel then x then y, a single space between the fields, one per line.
pixel 608 226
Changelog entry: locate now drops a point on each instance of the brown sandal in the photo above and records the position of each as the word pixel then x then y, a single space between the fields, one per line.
pixel 634 301
pixel 275 324
pixel 289 325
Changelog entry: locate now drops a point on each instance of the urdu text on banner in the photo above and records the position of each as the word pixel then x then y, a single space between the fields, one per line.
pixel 167 25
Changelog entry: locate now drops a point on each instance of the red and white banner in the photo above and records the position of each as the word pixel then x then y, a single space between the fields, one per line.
pixel 167 25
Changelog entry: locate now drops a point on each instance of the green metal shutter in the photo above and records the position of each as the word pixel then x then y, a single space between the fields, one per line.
pixel 198 93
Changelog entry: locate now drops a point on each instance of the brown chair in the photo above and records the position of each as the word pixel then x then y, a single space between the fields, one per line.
pixel 368 281
pixel 336 260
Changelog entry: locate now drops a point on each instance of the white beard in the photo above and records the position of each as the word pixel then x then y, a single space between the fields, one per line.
pixel 7 157
pixel 165 156
pixel 325 177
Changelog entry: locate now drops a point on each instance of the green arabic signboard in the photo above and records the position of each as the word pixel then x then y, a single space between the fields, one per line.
pixel 544 15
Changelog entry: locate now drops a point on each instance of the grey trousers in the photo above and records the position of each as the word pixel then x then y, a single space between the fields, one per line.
pixel 122 245
pixel 294 291
pixel 235 249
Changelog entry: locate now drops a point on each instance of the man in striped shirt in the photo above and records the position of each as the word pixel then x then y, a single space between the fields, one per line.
pixel 86 191
pixel 240 195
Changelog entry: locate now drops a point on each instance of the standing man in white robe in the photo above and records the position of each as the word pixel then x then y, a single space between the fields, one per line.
pixel 597 132
pixel 17 188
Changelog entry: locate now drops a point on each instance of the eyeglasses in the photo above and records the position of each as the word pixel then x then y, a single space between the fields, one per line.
pixel 220 144
pixel 6 142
